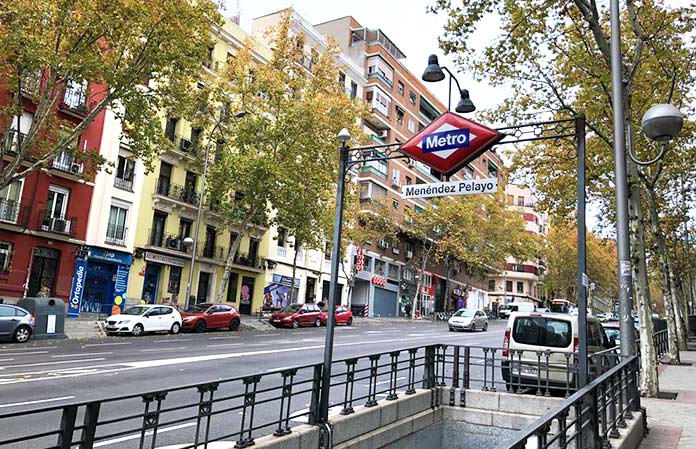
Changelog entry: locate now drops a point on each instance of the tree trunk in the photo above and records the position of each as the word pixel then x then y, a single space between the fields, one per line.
pixel 230 262
pixel 673 332
pixel 424 261
pixel 649 383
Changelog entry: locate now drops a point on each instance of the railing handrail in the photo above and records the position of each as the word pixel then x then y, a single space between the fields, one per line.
pixel 545 420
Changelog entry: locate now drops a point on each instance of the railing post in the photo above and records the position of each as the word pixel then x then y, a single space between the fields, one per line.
pixel 350 383
pixel 412 370
pixel 205 409
pixel 286 395
pixel 372 388
pixel 393 372
pixel 67 426
pixel 429 367
pixel 316 391
pixel 89 428
pixel 455 373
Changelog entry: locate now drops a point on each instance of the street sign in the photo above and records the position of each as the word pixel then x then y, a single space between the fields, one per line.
pixel 488 185
pixel 450 142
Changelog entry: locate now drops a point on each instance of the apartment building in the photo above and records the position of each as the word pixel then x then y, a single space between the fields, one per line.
pixel 521 281
pixel 401 106
pixel 43 217
pixel 168 211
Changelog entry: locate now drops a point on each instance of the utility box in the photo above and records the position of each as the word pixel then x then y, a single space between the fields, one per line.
pixel 49 314
pixel 692 325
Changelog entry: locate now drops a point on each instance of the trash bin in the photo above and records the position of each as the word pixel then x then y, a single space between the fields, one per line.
pixel 49 314
pixel 692 325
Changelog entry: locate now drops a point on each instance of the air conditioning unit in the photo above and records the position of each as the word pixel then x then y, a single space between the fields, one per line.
pixel 76 167
pixel 174 244
pixel 395 250
pixel 409 254
pixel 185 145
pixel 57 225
pixel 383 134
pixel 396 182
pixel 383 244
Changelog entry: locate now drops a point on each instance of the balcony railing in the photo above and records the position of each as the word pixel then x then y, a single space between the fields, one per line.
pixel 246 260
pixel 168 241
pixel 208 251
pixel 75 97
pixel 66 162
pixel 12 141
pixel 124 184
pixel 11 212
pixel 116 235
pixel 177 192
pixel 58 224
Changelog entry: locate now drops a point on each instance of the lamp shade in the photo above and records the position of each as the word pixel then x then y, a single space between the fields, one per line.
pixel 465 104
pixel 433 72
pixel 662 122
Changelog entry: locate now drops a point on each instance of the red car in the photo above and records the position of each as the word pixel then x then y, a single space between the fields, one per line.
pixel 296 315
pixel 343 316
pixel 204 316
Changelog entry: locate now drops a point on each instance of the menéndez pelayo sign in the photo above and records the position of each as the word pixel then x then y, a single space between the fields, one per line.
pixel 469 187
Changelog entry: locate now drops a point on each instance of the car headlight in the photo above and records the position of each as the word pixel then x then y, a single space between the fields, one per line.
pixel 287 318
pixel 189 318
pixel 123 321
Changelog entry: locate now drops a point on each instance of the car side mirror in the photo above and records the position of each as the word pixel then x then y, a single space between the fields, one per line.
pixel 210 312
pixel 301 311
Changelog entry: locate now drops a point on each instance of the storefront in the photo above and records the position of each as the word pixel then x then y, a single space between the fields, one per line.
pixel 106 281
pixel 154 276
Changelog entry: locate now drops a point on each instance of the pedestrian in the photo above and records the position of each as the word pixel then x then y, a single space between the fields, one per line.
pixel 408 310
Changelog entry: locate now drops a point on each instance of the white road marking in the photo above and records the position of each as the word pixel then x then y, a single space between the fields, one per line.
pixel 80 355
pixel 6 360
pixel 32 348
pixel 148 433
pixel 24 353
pixel 172 340
pixel 108 344
pixel 224 345
pixel 40 401
pixel 374 332
pixel 223 338
pixel 47 363
pixel 163 349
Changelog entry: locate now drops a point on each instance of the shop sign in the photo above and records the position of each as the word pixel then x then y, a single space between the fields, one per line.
pixel 78 288
pixel 165 260
pixel 108 255
pixel 379 281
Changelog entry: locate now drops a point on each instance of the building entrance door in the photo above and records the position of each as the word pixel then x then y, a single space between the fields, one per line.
pixel 98 295
pixel 203 284
pixel 44 269
pixel 152 272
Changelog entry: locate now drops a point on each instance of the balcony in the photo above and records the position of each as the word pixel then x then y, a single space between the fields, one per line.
pixel 123 184
pixel 215 252
pixel 66 162
pixel 12 213
pixel 246 260
pixel 116 235
pixel 12 141
pixel 378 75
pixel 168 241
pixel 177 192
pixel 57 224
pixel 75 99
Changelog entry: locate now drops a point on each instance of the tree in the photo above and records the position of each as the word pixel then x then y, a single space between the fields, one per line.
pixel 556 54
pixel 285 141
pixel 136 58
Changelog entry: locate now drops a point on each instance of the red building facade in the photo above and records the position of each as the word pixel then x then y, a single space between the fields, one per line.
pixel 43 217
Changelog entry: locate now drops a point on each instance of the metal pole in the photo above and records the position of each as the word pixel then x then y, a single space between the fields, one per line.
pixel 621 181
pixel 449 96
pixel 582 259
pixel 335 261
pixel 198 227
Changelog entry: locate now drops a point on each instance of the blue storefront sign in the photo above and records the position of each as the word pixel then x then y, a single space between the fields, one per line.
pixel 78 288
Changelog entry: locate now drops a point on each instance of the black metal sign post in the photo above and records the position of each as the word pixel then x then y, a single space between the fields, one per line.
pixel 528 132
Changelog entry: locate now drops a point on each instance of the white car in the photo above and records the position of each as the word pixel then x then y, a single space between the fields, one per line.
pixel 468 319
pixel 137 320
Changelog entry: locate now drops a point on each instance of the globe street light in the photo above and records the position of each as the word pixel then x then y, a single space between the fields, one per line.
pixel 434 72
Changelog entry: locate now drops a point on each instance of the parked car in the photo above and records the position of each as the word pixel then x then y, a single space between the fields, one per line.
pixel 516 307
pixel 16 323
pixel 204 316
pixel 137 320
pixel 343 316
pixel 468 319
pixel 296 315
pixel 527 335
pixel 613 331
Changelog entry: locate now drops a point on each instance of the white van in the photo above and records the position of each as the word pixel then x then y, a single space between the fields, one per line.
pixel 516 307
pixel 528 337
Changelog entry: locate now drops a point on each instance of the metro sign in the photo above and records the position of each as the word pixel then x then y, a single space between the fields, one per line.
pixel 450 142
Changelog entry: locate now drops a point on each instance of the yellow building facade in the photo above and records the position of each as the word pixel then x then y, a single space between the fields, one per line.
pixel 168 215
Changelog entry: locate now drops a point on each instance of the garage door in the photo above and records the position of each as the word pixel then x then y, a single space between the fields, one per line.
pixel 385 302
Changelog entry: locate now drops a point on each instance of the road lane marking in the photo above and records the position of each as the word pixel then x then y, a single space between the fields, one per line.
pixel 32 348
pixel 171 340
pixel 25 353
pixel 223 338
pixel 6 360
pixel 2 368
pixel 148 433
pixel 163 349
pixel 80 355
pixel 40 401
pixel 108 344
pixel 224 345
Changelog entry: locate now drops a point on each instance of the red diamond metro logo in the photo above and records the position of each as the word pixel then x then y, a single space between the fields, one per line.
pixel 450 142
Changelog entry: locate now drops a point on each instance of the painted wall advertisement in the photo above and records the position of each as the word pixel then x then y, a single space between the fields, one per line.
pixel 77 289
pixel 120 286
pixel 278 293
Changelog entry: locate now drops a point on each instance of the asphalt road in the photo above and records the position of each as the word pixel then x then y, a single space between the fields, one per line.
pixel 48 373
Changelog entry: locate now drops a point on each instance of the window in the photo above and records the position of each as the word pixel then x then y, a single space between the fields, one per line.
pixel 174 280
pixel 412 97
pixel 185 228
pixel 5 257
pixel 508 286
pixel 408 275
pixel 380 100
pixel 210 241
pixel 164 180
pixel 196 135
pixel 393 272
pixel 208 62
pixel 378 67
pixel 400 87
pixel 520 287
pixel 7 311
pixel 380 267
pixel 400 115
pixel 367 263
pixel 75 95
pixel 370 190
pixel 510 199
pixel 409 247
pixel 395 204
pixel 427 280
pixel 520 201
pixel 10 197
pixel 125 172
pixel 282 236
pixel 17 133
pixel 396 177
pixel 116 230
pixel 170 129
pixel 540 331
pixel 353 90
pixel 342 79
pixel 56 206
pixel 157 231
pixel 409 181
pixel 189 194
pixel 411 125
pixel 491 285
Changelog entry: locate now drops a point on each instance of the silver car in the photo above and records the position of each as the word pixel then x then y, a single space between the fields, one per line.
pixel 468 319
pixel 16 323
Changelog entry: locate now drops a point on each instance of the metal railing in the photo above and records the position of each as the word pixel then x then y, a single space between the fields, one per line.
pixel 591 416
pixel 123 183
pixel 661 340
pixel 212 251
pixel 245 407
pixel 58 224
pixel 116 235
pixel 185 194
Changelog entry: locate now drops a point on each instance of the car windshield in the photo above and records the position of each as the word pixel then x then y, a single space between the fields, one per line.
pixel 291 308
pixel 613 332
pixel 136 310
pixel 198 308
pixel 464 313
pixel 542 331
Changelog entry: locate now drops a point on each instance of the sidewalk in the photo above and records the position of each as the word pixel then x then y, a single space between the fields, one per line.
pixel 672 423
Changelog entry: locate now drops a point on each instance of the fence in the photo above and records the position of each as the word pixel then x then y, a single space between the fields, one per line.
pixel 243 408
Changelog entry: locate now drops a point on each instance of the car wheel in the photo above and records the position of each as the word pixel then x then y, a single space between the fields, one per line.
pixel 200 326
pixel 21 334
pixel 473 328
pixel 350 322
pixel 176 327
pixel 485 327
pixel 317 323
pixel 234 324
pixel 137 330
pixel 451 329
pixel 295 324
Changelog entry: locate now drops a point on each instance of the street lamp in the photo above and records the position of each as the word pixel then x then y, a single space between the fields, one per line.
pixel 661 123
pixel 434 72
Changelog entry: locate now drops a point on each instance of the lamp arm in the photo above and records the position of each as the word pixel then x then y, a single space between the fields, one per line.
pixel 452 77
pixel 635 159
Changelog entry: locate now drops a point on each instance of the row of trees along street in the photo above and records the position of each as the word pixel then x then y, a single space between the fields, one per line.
pixel 556 56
